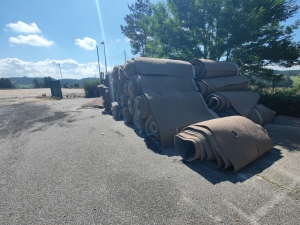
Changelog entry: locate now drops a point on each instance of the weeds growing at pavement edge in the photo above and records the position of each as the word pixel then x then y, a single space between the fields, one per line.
pixel 90 88
pixel 284 101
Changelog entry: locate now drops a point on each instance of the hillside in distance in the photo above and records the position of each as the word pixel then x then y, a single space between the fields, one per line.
pixel 27 81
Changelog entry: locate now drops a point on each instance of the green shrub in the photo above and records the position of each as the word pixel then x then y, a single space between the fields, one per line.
pixel 90 88
pixel 282 101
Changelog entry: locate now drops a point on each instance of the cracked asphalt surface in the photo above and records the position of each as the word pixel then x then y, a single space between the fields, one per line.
pixel 60 164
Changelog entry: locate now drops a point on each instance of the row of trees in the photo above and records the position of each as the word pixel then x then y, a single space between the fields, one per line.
pixel 6 83
pixel 44 84
pixel 251 33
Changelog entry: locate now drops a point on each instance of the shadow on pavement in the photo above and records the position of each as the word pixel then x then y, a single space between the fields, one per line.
pixel 207 168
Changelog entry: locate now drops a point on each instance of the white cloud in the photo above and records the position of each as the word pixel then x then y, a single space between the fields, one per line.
pixel 31 39
pixel 22 27
pixel 14 67
pixel 118 40
pixel 127 39
pixel 87 43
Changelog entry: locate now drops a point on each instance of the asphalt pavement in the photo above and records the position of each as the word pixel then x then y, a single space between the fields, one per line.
pixel 62 164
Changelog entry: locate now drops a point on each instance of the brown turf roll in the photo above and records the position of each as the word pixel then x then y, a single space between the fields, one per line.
pixel 107 105
pixel 116 109
pixel 152 130
pixel 174 110
pixel 122 77
pixel 130 105
pixel 111 95
pixel 107 96
pixel 261 115
pixel 152 82
pixel 126 87
pixel 144 65
pixel 118 96
pixel 124 100
pixel 138 122
pixel 113 86
pixel 134 88
pixel 101 89
pixel 121 87
pixel 231 141
pixel 115 74
pixel 209 68
pixel 228 112
pixel 108 79
pixel 232 83
pixel 142 107
pixel 242 101
pixel 127 116
pixel 130 68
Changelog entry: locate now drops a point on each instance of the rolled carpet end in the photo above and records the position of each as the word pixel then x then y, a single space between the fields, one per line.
pixel 116 110
pixel 231 141
pixel 139 123
pixel 124 100
pixel 107 95
pixel 185 147
pixel 122 77
pixel 134 88
pixel 130 69
pixel 209 68
pixel 107 105
pixel 261 115
pixel 121 88
pixel 127 117
pixel 101 90
pixel 142 107
pixel 126 87
pixel 152 130
pixel 131 105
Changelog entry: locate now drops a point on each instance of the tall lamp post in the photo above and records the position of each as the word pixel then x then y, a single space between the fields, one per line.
pixel 98 64
pixel 103 43
pixel 60 74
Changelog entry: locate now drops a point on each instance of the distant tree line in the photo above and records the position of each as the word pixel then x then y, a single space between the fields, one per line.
pixel 6 83
pixel 44 84
pixel 288 72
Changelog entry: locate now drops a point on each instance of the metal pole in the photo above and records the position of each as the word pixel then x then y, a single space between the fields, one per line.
pixel 60 74
pixel 103 43
pixel 98 64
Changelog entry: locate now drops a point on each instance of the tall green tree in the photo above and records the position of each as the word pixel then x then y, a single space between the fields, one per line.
pixel 46 82
pixel 137 28
pixel 36 83
pixel 251 33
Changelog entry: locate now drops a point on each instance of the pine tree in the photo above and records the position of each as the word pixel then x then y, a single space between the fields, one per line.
pixel 137 26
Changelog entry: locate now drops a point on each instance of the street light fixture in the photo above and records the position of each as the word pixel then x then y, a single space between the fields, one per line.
pixel 98 64
pixel 103 43
pixel 60 74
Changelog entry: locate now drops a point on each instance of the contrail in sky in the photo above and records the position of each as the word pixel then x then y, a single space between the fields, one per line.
pixel 101 25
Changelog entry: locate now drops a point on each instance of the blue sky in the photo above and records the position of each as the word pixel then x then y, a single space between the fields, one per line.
pixel 36 35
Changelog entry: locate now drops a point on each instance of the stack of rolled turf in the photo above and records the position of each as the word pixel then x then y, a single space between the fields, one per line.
pixel 162 98
pixel 112 91
pixel 230 141
pixel 225 92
